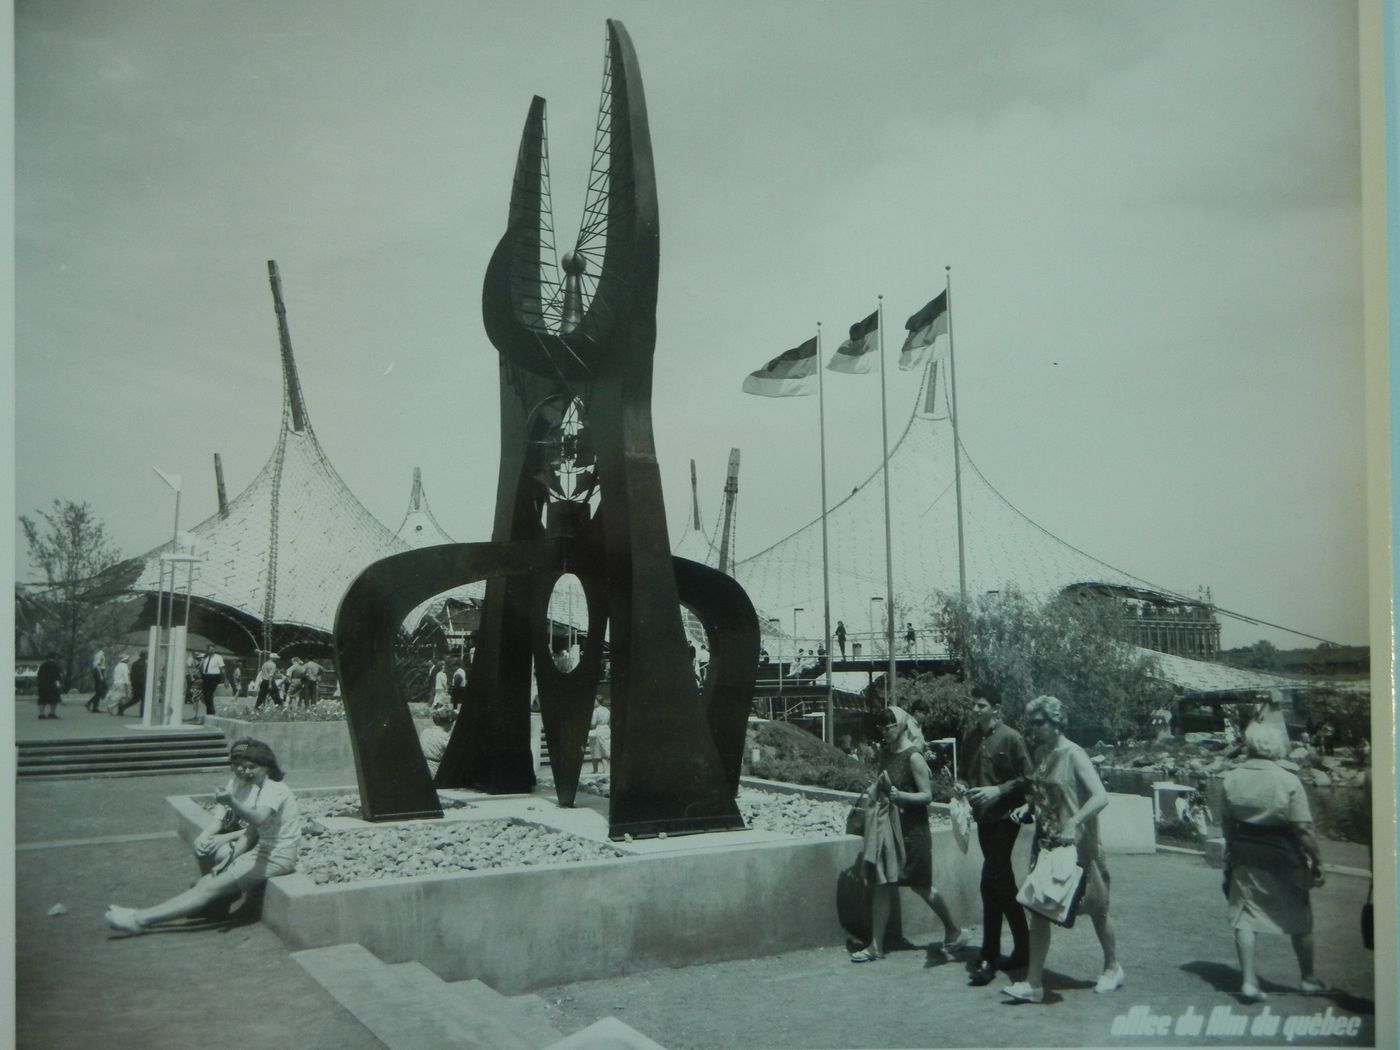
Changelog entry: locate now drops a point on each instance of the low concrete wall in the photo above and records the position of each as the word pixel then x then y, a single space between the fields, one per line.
pixel 692 899
pixel 322 746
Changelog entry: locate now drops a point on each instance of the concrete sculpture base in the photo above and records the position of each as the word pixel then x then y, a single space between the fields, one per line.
pixel 670 902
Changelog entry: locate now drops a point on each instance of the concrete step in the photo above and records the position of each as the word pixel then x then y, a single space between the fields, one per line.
pixel 124 755
pixel 521 1017
pixel 408 1007
pixel 607 1034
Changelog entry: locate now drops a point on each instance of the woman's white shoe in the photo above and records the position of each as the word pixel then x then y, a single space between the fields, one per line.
pixel 1111 980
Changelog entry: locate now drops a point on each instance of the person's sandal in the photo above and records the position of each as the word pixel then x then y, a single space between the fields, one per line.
pixel 1314 987
pixel 1250 994
pixel 865 955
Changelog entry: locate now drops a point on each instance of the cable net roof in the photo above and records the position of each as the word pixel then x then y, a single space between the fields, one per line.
pixel 290 546
pixel 1003 547
pixel 419 528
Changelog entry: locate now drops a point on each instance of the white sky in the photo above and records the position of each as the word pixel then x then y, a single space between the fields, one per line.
pixel 1152 212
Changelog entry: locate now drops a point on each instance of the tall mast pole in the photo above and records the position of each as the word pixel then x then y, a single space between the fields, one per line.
pixel 889 546
pixel 957 445
pixel 828 728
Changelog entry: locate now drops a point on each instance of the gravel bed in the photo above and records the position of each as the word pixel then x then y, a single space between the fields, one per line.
pixel 440 849
pixel 319 807
pixel 772 811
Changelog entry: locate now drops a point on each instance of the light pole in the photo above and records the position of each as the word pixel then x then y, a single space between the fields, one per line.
pixel 776 624
pixel 871 608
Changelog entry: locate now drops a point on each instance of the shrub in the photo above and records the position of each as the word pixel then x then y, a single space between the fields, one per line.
pixel 796 756
pixel 320 711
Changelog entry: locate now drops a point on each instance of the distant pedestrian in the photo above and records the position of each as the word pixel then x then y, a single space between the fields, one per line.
pixel 211 676
pixel 296 681
pixel 267 682
pixel 138 685
pixel 50 682
pixel 99 680
pixel 433 740
pixel 841 638
pixel 120 692
pixel 600 733
pixel 457 690
pixel 909 636
pixel 310 682
pixel 440 697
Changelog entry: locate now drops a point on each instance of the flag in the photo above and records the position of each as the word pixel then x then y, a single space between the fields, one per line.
pixel 857 354
pixel 787 375
pixel 924 327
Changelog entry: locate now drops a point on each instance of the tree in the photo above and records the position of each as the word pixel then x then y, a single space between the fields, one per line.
pixel 70 545
pixel 1073 647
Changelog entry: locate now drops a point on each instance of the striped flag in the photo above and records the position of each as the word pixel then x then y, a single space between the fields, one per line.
pixel 857 354
pixel 787 375
pixel 924 327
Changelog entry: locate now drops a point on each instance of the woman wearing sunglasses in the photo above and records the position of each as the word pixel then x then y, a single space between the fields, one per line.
pixel 904 780
pixel 1067 796
pixel 262 843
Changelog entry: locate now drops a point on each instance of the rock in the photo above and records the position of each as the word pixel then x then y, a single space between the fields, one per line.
pixel 1320 779
pixel 1099 760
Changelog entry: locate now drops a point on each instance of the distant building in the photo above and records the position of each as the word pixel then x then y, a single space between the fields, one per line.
pixel 1165 623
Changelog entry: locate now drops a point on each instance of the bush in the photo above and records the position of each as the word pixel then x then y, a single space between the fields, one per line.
pixel 796 756
pixel 320 711
pixel 1342 813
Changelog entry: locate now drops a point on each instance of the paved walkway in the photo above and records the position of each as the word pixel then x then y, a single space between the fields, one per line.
pixel 85 843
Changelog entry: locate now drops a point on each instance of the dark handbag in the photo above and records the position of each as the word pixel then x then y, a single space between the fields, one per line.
pixel 229 822
pixel 854 889
pixel 855 820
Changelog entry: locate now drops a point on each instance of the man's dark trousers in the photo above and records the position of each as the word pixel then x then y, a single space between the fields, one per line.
pixel 997 839
pixel 209 683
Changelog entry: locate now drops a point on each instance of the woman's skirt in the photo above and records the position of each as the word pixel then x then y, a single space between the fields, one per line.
pixel 1269 882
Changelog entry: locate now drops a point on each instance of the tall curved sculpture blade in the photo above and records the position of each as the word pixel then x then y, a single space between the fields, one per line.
pixel 579 486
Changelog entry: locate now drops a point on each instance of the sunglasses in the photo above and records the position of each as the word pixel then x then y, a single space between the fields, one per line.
pixel 1037 721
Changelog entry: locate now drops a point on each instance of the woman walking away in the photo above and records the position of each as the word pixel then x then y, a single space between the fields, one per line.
pixel 1067 796
pixel 120 693
pixel 904 783
pixel 241 859
pixel 1271 856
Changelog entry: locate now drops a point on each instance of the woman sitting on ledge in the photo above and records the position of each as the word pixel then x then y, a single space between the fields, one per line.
pixel 240 860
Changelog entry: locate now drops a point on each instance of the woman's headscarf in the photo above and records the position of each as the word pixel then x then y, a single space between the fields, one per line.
pixel 910 734
pixel 258 753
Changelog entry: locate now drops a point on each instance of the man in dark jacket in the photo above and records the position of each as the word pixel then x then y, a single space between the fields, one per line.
pixel 138 685
pixel 994 767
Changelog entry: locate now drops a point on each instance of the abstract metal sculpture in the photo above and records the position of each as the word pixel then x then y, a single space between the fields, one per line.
pixel 579 492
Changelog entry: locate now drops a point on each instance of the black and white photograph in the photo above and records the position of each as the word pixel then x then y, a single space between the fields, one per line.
pixel 776 525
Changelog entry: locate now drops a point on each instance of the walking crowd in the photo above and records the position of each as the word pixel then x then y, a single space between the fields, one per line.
pixel 1007 781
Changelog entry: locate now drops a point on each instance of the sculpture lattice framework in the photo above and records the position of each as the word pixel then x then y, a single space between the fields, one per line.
pixel 579 492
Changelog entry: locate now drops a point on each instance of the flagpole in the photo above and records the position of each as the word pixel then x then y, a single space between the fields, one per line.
pixel 889 547
pixel 957 446
pixel 829 727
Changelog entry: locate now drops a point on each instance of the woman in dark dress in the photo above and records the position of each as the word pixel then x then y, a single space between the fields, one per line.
pixel 904 781
pixel 50 686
